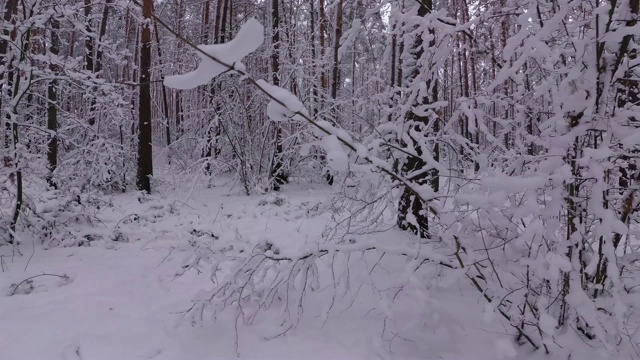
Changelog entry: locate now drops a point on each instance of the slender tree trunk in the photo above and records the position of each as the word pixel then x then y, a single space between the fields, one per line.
pixel 10 9
pixel 178 98
pixel 145 150
pixel 52 106
pixel 323 28
pixel 208 95
pixel 15 131
pixel 165 101
pixel 97 65
pixel 89 57
pixel 314 67
pixel 88 41
pixel 335 83
pixel 276 172
pixel 11 129
pixel 103 30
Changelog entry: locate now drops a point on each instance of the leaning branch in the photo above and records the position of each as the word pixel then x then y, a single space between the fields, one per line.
pixel 351 146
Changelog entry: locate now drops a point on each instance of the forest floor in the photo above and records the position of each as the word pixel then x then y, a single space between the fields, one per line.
pixel 126 299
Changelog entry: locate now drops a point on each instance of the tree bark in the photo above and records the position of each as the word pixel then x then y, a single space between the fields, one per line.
pixel 165 101
pixel 10 9
pixel 335 83
pixel 145 154
pixel 276 172
pixel 52 106
pixel 413 211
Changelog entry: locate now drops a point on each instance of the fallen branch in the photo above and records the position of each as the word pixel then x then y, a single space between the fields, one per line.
pixel 15 289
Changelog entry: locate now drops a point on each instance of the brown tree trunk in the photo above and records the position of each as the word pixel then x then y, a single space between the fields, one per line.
pixel 145 154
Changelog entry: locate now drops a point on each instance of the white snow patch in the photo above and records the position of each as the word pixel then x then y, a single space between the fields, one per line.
pixel 337 158
pixel 505 349
pixel 248 40
pixel 292 108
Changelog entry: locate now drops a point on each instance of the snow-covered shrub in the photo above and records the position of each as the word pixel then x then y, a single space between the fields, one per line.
pixel 533 227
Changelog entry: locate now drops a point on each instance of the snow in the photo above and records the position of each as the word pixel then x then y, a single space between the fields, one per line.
pixel 337 158
pixel 548 324
pixel 126 300
pixel 288 106
pixel 248 40
pixel 505 349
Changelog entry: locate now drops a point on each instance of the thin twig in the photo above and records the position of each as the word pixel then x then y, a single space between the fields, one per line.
pixel 33 241
pixel 13 292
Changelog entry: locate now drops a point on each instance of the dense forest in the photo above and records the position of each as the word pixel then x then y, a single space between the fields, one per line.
pixel 499 136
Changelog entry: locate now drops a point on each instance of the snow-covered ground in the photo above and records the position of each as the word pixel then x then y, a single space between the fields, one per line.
pixel 126 300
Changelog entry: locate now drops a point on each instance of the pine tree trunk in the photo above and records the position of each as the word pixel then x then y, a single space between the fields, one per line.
pixel 165 101
pixel 335 76
pixel 52 106
pixel 277 176
pixel 145 154
pixel 412 211
pixel 10 10
pixel 314 67
pixel 323 28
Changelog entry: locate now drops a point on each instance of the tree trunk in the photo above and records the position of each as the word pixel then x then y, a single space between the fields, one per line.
pixel 165 101
pixel 278 178
pixel 97 65
pixel 412 211
pixel 89 57
pixel 335 83
pixel 323 29
pixel 209 94
pixel 314 68
pixel 10 9
pixel 178 100
pixel 88 41
pixel 145 155
pixel 103 31
pixel 52 106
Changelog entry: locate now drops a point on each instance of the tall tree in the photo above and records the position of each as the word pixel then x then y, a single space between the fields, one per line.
pixel 413 212
pixel 335 71
pixel 278 177
pixel 145 149
pixel 52 106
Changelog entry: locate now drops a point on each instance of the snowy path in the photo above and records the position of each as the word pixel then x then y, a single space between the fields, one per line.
pixel 122 300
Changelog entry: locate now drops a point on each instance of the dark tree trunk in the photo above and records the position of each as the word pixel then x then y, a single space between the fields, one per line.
pixel 88 41
pixel 103 31
pixel 335 83
pixel 145 154
pixel 412 211
pixel 12 123
pixel 10 9
pixel 165 101
pixel 52 106
pixel 89 59
pixel 208 95
pixel 278 178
